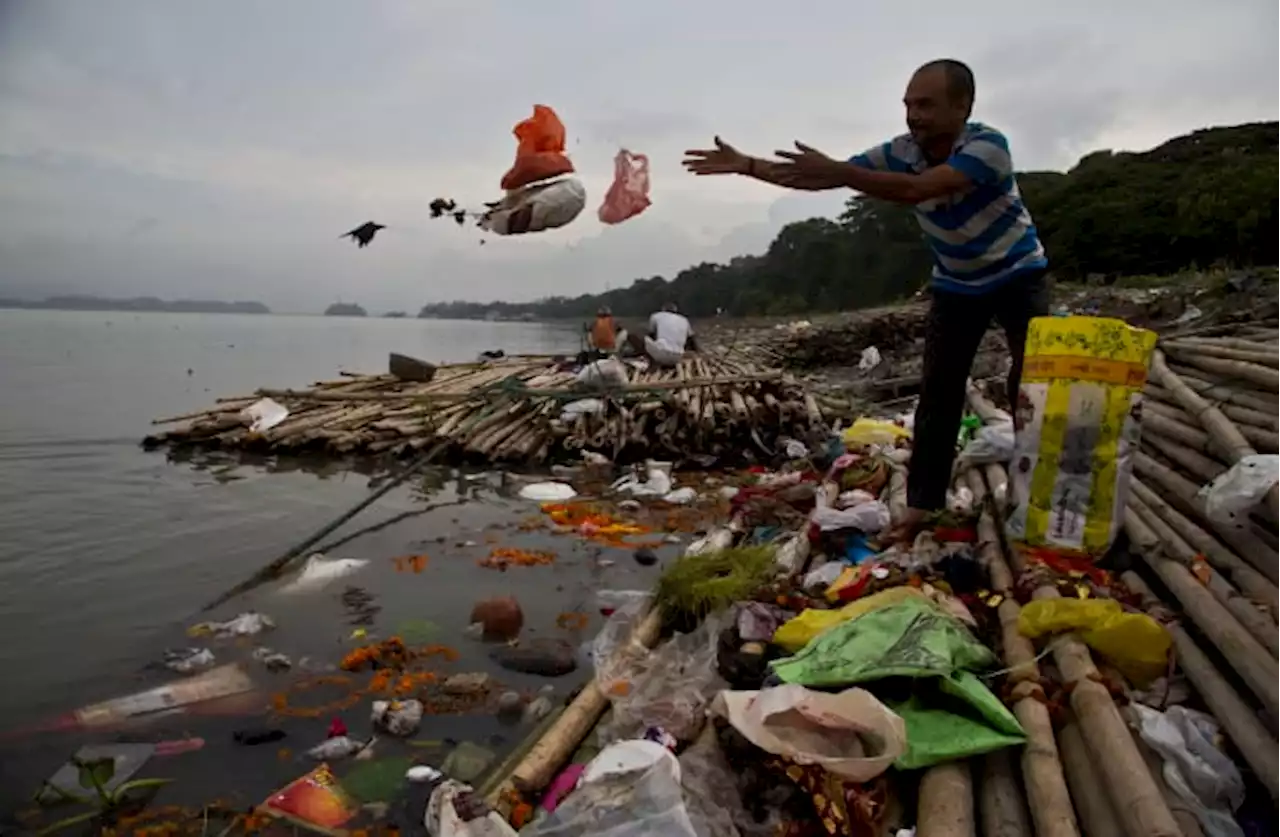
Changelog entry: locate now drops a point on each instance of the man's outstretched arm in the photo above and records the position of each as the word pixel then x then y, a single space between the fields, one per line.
pixel 784 174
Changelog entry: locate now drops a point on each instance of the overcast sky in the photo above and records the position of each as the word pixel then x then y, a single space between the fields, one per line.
pixel 218 149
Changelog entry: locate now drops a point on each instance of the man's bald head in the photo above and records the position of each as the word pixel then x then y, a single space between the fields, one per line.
pixel 959 80
pixel 939 100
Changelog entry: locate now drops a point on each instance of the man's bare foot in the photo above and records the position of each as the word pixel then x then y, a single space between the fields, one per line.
pixel 905 529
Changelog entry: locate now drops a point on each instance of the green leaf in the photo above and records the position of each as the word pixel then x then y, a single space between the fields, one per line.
pixel 95 773
pixel 138 784
pixel 66 823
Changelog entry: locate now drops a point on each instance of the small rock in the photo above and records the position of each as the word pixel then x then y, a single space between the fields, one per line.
pixel 467 762
pixel 671 539
pixel 510 702
pixel 468 683
pixel 537 709
pixel 546 690
pixel 253 737
pixel 474 631
pixel 501 616
pixel 543 656
pixel 646 557
pixel 605 562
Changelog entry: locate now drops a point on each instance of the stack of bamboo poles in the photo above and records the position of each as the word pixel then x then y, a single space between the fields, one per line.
pixel 513 410
pixel 1211 401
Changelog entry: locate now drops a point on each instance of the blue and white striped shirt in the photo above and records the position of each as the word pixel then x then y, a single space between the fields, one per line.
pixel 982 236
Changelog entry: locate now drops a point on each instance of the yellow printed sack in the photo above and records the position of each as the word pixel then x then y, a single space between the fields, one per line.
pixel 1078 416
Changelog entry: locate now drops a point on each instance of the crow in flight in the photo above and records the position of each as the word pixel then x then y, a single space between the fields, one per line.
pixel 364 233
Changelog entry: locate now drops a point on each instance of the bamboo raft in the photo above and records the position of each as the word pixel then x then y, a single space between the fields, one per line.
pixel 512 409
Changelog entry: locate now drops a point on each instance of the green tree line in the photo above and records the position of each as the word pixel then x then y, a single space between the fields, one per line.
pixel 1205 199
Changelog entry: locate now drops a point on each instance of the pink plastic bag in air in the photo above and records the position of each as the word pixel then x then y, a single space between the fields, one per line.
pixel 629 194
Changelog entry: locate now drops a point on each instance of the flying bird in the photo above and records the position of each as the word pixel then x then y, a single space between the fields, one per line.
pixel 364 233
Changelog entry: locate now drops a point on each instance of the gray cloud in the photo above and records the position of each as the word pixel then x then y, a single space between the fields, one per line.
pixel 219 149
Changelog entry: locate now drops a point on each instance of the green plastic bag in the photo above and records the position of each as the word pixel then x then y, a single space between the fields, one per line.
pixel 950 713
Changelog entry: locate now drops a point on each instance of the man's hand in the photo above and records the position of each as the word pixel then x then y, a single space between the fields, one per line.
pixel 809 163
pixel 723 159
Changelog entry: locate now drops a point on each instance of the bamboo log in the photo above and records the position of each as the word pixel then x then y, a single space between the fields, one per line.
pixel 1251 582
pixel 1182 812
pixel 1238 720
pixel 1226 343
pixel 546 757
pixel 1202 467
pixel 1092 801
pixel 1249 616
pixel 1184 352
pixel 1001 806
pixel 1225 434
pixel 1259 437
pixel 1215 391
pixel 1046 786
pixel 1263 377
pixel 1240 415
pixel 1143 810
pixel 945 807
pixel 1246 655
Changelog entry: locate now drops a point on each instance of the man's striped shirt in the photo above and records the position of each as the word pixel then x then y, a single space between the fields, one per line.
pixel 982 236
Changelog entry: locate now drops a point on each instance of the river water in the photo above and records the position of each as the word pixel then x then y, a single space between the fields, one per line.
pixel 108 552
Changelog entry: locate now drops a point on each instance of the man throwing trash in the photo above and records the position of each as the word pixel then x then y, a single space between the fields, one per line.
pixel 988 260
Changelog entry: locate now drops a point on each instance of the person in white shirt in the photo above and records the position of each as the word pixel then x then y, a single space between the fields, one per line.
pixel 669 335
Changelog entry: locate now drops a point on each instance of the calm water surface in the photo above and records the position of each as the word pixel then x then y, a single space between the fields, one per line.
pixel 107 552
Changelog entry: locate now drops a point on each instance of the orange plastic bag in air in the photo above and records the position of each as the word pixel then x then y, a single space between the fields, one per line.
pixel 629 194
pixel 540 154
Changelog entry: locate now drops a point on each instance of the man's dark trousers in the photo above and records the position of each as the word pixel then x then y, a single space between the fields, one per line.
pixel 954 330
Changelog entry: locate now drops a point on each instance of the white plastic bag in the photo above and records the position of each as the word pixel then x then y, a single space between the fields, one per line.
pixel 551 203
pixel 648 802
pixel 992 443
pixel 850 733
pixel 583 406
pixel 443 820
pixel 547 492
pixel 609 372
pixel 870 359
pixel 264 415
pixel 320 571
pixel 1230 497
pixel 657 483
pixel 865 517
pixel 669 687
pixel 398 717
pixel 1197 771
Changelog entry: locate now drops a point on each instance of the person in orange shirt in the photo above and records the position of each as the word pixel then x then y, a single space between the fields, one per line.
pixel 604 331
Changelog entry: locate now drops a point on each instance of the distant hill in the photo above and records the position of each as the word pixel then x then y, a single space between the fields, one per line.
pixel 142 303
pixel 345 309
pixel 1200 200
pixel 395 315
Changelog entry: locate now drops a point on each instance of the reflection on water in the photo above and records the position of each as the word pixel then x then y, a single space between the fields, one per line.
pixel 109 552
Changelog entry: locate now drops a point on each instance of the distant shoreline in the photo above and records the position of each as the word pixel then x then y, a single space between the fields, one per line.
pixel 136 305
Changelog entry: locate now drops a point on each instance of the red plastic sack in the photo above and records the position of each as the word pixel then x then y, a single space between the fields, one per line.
pixel 629 194
pixel 540 154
